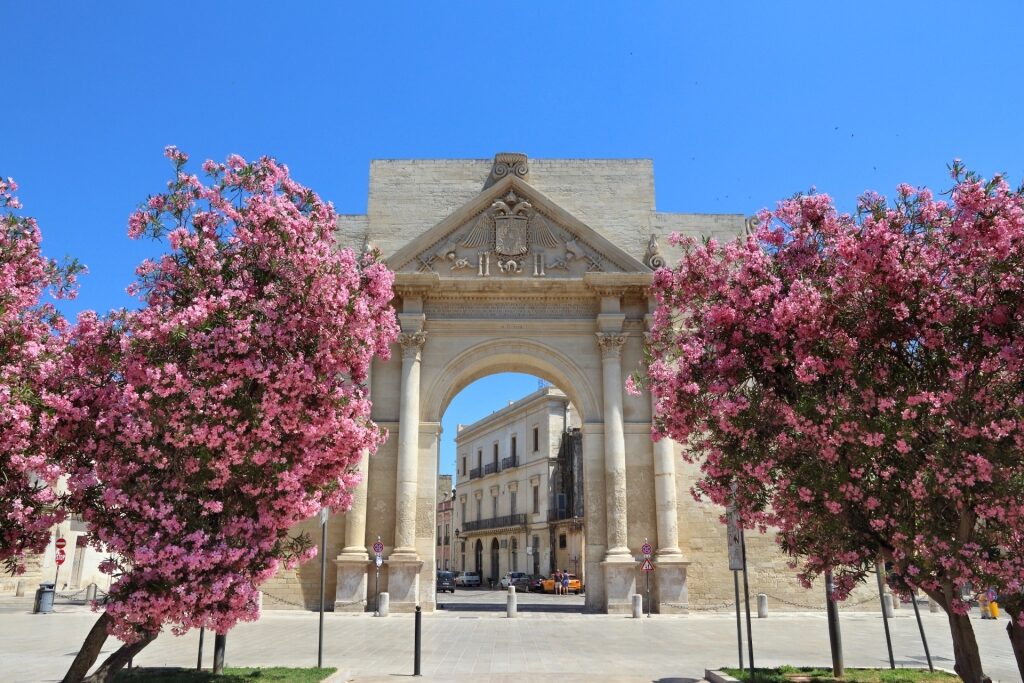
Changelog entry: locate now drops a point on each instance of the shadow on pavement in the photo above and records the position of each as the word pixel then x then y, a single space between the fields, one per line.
pixel 496 607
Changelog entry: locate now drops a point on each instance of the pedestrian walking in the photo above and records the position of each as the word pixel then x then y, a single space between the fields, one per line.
pixel 565 582
pixel 558 582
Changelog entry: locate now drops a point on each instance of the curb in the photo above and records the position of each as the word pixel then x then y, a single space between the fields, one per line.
pixel 339 676
pixel 715 676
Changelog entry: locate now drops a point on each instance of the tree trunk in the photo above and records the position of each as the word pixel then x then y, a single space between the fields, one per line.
pixel 965 645
pixel 220 641
pixel 1016 633
pixel 117 661
pixel 89 652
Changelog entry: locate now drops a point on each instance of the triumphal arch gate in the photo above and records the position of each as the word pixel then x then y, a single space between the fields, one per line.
pixel 517 265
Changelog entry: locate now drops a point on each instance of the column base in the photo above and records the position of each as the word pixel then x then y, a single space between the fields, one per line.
pixel 670 582
pixel 404 581
pixel 619 583
pixel 350 595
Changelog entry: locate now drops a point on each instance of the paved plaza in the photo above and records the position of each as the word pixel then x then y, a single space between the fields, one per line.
pixel 471 640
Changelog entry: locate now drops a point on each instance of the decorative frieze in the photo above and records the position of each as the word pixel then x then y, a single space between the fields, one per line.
pixel 510 309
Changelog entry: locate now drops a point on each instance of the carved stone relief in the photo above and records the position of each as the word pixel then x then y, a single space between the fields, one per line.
pixel 512 238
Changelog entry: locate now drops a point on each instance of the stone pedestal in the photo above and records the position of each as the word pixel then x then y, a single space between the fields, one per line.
pixel 670 581
pixel 404 582
pixel 350 595
pixel 619 584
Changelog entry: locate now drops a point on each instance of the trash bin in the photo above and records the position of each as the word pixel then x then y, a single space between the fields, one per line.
pixel 44 599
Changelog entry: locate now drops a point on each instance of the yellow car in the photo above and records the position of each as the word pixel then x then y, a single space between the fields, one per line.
pixel 575 585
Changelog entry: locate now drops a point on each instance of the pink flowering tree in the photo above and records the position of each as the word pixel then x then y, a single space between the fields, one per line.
pixel 227 409
pixel 30 349
pixel 858 380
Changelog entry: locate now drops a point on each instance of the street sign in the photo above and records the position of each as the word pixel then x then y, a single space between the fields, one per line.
pixel 733 536
pixel 378 560
pixel 60 557
pixel 60 543
pixel 647 565
pixel 324 512
pixel 378 547
pixel 646 549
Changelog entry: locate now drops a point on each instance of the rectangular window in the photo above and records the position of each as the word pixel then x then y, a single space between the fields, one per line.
pixel 463 465
pixel 479 508
pixel 512 502
pixel 480 458
pixel 463 512
pixel 439 535
pixel 536 500
pixel 536 439
pixel 512 454
pixel 495 456
pixel 561 540
pixel 494 507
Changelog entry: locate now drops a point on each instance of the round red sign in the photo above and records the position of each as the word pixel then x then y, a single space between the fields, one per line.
pixel 61 555
pixel 60 543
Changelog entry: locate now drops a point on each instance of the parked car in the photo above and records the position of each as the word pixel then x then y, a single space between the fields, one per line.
pixel 446 582
pixel 466 579
pixel 575 585
pixel 536 584
pixel 522 583
pixel 510 579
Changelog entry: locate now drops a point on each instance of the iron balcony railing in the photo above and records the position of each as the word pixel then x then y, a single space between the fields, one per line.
pixel 490 468
pixel 474 473
pixel 497 522
pixel 511 461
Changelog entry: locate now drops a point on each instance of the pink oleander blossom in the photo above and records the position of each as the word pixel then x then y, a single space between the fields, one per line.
pixel 854 382
pixel 232 405
pixel 30 352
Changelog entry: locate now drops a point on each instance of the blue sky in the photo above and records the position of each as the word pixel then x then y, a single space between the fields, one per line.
pixel 738 104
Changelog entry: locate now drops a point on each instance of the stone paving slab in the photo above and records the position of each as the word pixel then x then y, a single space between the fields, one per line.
pixel 485 646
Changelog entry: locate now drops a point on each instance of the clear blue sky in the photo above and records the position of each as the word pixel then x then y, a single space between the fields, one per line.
pixel 738 104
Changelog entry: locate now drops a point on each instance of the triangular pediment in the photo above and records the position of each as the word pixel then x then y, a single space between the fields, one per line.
pixel 511 229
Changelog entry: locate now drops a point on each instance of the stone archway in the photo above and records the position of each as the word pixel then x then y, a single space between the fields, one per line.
pixel 509 276
pixel 495 563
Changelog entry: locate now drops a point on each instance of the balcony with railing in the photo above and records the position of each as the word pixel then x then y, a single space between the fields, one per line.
pixel 474 473
pixel 511 461
pixel 497 522
pixel 490 468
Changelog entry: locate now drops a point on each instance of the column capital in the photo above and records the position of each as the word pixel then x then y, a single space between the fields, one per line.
pixel 611 344
pixel 412 343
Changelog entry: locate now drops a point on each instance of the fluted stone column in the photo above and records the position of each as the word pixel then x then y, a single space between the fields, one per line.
pixel 353 561
pixel 404 563
pixel 670 578
pixel 614 443
pixel 619 567
pixel 408 444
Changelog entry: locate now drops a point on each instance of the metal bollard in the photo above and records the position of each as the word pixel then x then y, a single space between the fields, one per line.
pixel 416 643
pixel 887 604
pixel 762 606
pixel 638 605
pixel 383 604
pixel 511 608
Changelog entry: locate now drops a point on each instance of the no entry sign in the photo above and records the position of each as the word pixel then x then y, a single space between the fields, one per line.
pixel 646 549
pixel 60 557
pixel 378 547
pixel 60 543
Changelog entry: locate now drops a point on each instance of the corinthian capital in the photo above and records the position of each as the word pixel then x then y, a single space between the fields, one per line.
pixel 412 343
pixel 611 344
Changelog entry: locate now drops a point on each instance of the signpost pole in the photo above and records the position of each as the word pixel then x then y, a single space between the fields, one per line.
pixel 885 617
pixel 323 578
pixel 746 599
pixel 739 620
pixel 378 548
pixel 58 558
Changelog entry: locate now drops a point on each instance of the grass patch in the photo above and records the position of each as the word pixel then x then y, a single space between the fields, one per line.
pixel 792 674
pixel 231 675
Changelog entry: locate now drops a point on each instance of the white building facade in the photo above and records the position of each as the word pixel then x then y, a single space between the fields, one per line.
pixel 518 505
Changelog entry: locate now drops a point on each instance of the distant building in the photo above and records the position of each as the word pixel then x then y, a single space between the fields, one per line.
pixel 443 554
pixel 519 501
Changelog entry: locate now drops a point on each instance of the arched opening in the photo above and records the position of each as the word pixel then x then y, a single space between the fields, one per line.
pixel 511 444
pixel 495 562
